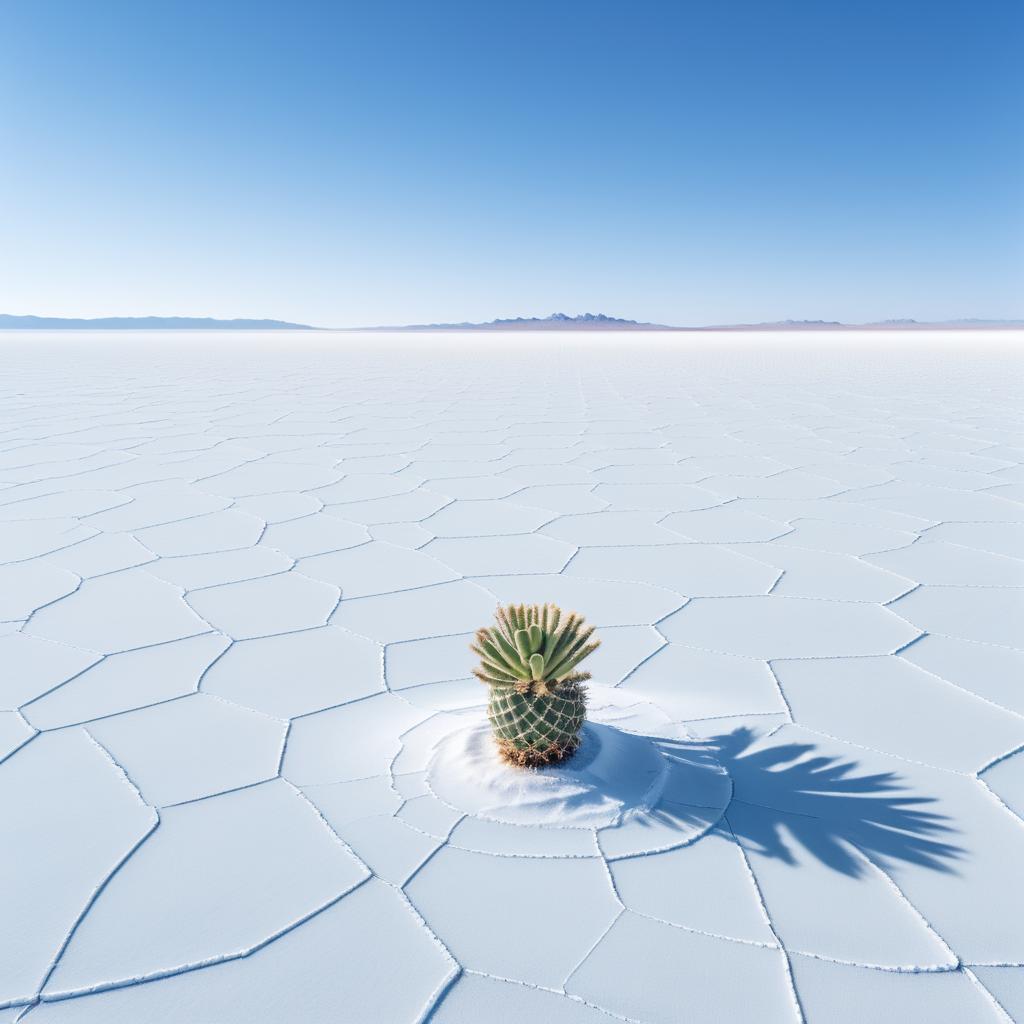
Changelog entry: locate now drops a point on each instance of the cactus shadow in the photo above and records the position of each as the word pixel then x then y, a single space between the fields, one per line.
pixel 786 794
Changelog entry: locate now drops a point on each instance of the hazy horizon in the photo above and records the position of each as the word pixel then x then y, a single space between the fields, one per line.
pixel 578 320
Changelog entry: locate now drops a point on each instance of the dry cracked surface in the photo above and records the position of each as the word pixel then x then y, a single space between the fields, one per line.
pixel 237 582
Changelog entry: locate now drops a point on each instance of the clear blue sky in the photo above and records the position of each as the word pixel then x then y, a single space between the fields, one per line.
pixel 341 163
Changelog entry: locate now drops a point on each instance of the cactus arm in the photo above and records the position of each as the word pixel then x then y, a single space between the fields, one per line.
pixel 572 662
pixel 553 617
pixel 487 643
pixel 537 666
pixel 488 646
pixel 573 656
pixel 555 638
pixel 486 677
pixel 571 653
pixel 536 638
pixel 508 652
pixel 494 668
pixel 574 677
pixel 522 639
pixel 549 645
pixel 485 638
pixel 566 637
pixel 491 681
pixel 505 620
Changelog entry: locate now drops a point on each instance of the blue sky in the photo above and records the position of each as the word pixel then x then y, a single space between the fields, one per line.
pixel 343 164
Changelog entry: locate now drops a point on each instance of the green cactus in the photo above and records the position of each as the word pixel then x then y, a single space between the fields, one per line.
pixel 529 661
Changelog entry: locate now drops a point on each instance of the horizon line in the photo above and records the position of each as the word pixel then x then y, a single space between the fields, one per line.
pixel 557 321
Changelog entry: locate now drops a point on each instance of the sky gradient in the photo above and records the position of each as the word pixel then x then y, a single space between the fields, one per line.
pixel 349 164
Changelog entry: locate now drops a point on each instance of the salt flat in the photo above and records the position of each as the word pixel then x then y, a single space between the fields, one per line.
pixel 238 574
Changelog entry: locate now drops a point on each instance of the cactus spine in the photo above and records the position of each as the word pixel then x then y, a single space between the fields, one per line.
pixel 529 660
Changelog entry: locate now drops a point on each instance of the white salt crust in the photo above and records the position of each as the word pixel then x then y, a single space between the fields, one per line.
pixel 239 576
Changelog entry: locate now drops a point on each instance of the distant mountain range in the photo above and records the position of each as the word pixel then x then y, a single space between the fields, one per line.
pixel 555 322
pixel 876 325
pixel 600 322
pixel 145 323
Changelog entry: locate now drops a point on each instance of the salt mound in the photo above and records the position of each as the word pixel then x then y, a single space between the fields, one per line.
pixel 614 774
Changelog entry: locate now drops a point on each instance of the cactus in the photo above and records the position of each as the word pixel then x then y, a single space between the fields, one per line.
pixel 529 660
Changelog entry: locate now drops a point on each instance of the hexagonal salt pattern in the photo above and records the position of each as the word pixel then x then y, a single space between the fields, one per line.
pixel 235 601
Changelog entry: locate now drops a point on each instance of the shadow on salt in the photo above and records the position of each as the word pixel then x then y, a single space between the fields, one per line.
pixel 826 806
pixel 642 794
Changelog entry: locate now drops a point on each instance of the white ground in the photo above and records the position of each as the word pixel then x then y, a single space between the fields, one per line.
pixel 239 778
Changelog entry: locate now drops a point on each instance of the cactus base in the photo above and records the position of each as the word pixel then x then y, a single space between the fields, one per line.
pixel 532 731
pixel 536 757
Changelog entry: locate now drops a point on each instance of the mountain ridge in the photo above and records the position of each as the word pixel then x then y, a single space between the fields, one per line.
pixel 599 321
pixel 9 321
pixel 554 322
